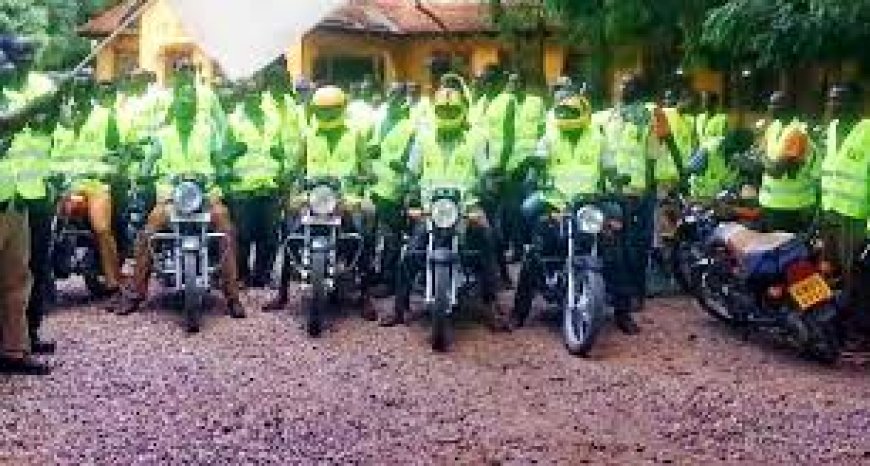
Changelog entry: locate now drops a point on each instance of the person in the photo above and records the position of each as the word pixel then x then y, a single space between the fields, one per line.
pixel 712 171
pixel 634 137
pixel 360 111
pixel 529 127
pixel 20 104
pixel 253 194
pixel 573 164
pixel 333 148
pixel 845 186
pixel 186 145
pixel 452 154
pixel 83 145
pixel 789 186
pixel 389 146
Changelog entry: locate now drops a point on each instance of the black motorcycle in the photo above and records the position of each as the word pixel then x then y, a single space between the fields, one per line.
pixel 184 256
pixel 324 252
pixel 570 275
pixel 770 281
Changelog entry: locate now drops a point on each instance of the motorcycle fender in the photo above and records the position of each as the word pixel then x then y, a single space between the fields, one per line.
pixel 190 243
pixel 320 244
pixel 442 256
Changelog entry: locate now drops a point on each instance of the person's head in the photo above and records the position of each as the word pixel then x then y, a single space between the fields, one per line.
pixel 778 105
pixel 451 81
pixel 631 89
pixel 688 101
pixel 414 91
pixel 397 101
pixel 493 80
pixel 329 105
pixel 106 93
pixel 515 83
pixel 184 104
pixel 450 110
pixel 710 102
pixel 303 89
pixel 842 102
pixel 20 52
pixel 366 90
pixel 573 112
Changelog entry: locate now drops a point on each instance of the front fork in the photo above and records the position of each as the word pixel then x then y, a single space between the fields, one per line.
pixel 454 277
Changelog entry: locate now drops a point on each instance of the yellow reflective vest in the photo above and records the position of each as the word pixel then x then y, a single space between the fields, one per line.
pixel 846 171
pixel 788 192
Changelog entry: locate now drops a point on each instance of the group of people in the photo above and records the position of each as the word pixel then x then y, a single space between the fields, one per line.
pixel 520 155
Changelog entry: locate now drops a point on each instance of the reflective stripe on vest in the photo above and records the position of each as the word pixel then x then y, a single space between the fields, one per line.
pixel 845 175
pixel 340 162
pixel 575 166
pixel 630 147
pixel 453 169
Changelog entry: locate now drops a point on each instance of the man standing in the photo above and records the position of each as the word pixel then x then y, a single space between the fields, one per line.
pixel 845 186
pixel 254 200
pixel 789 185
pixel 713 173
pixel 18 107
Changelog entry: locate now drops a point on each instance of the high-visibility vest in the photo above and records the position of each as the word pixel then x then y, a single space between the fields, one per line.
pixel 456 168
pixel 787 192
pixel 257 169
pixel 494 118
pixel 629 144
pixel 394 144
pixel 195 159
pixel 341 161
pixel 683 128
pixel 711 132
pixel 574 166
pixel 28 161
pixel 528 129
pixel 846 172
pixel 289 120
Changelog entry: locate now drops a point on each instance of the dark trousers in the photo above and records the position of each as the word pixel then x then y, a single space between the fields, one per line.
pixel 791 221
pixel 256 220
pixel 41 214
pixel 627 259
pixel 390 223
pixel 478 238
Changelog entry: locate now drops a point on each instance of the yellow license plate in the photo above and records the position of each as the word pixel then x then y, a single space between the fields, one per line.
pixel 810 291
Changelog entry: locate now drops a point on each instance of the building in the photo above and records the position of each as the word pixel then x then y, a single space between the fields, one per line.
pixel 387 39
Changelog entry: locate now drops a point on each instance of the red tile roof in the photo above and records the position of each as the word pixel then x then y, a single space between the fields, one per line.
pixel 109 20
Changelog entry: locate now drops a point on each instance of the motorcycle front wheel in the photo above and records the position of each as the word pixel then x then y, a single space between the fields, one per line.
pixel 711 298
pixel 442 284
pixel 319 299
pixel 193 295
pixel 582 324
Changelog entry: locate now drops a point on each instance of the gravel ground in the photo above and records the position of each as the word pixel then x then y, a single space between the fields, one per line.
pixel 687 391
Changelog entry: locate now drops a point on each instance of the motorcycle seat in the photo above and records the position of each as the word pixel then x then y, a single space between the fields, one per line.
pixel 759 252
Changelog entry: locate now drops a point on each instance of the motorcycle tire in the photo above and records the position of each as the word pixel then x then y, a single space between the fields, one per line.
pixel 95 286
pixel 318 303
pixel 582 324
pixel 440 312
pixel 682 269
pixel 192 294
pixel 824 343
pixel 706 297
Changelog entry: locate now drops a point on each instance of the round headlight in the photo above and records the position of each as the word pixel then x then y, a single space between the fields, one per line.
pixel 445 213
pixel 322 200
pixel 590 220
pixel 188 197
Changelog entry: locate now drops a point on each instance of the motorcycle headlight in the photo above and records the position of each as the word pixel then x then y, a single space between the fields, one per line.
pixel 590 220
pixel 188 197
pixel 445 213
pixel 323 200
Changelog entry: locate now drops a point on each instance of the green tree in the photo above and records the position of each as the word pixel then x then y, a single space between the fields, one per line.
pixel 53 24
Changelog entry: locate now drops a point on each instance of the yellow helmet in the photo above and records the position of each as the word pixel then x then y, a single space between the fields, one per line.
pixel 573 112
pixel 449 108
pixel 328 105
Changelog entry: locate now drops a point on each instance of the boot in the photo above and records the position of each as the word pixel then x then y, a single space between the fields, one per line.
pixel 22 366
pixel 39 346
pixel 500 321
pixel 124 304
pixel 394 317
pixel 368 311
pixel 236 309
pixel 625 322
pixel 277 304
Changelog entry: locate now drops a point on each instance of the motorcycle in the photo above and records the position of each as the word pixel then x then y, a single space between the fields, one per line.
pixel 73 249
pixel 771 281
pixel 447 280
pixel 572 272
pixel 325 254
pixel 184 255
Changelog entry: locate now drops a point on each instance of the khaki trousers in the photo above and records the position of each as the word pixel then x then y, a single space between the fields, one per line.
pixel 100 215
pixel 15 283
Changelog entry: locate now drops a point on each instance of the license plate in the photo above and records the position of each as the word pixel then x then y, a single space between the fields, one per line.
pixel 810 291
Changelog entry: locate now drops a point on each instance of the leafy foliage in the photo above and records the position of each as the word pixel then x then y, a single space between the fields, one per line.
pixel 53 24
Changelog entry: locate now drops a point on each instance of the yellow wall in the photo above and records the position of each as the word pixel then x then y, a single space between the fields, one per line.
pixel 161 33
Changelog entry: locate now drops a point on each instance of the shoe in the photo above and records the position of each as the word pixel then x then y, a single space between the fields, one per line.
pixel 368 311
pixel 128 305
pixel 23 366
pixel 277 304
pixel 114 300
pixel 382 291
pixel 499 320
pixel 397 317
pixel 625 322
pixel 236 310
pixel 38 346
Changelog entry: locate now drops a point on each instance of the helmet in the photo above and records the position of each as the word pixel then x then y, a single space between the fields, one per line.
pixel 449 108
pixel 329 104
pixel 794 146
pixel 573 112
